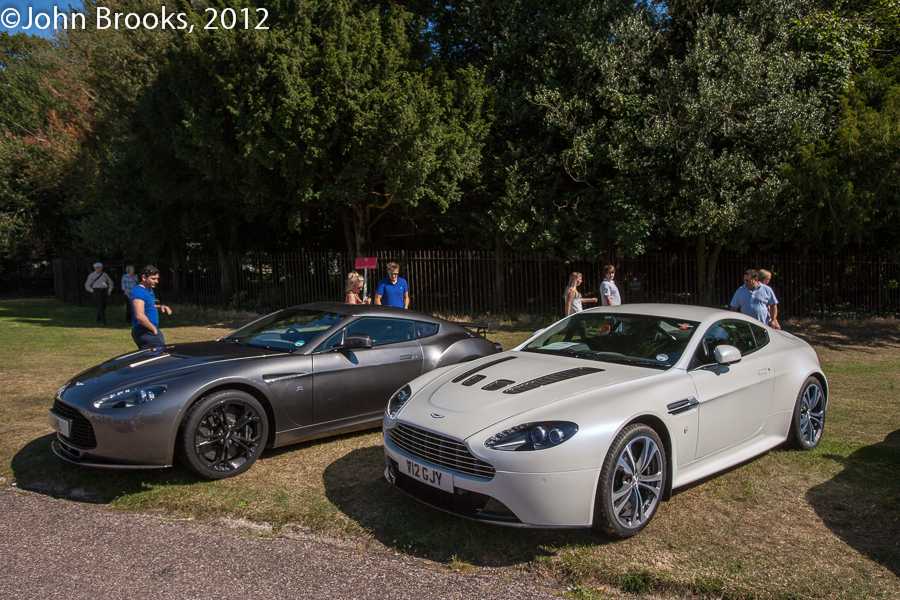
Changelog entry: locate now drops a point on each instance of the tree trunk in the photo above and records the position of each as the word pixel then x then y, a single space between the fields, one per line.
pixel 357 224
pixel 707 259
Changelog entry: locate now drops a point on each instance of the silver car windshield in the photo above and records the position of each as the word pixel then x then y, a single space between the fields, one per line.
pixel 289 329
pixel 647 341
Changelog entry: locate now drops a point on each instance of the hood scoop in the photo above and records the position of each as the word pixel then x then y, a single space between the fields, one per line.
pixel 551 378
pixel 473 380
pixel 481 367
pixel 498 385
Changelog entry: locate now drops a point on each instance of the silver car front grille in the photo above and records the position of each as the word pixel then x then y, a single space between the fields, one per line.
pixel 439 450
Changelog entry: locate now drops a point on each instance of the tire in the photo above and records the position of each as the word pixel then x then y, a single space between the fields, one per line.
pixel 808 422
pixel 625 503
pixel 222 435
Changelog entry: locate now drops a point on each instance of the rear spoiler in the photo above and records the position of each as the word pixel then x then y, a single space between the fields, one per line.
pixel 481 328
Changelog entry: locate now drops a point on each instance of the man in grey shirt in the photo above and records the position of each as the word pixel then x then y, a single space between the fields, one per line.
pixel 100 286
pixel 609 293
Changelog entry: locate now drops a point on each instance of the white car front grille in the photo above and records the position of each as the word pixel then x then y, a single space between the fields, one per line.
pixel 439 450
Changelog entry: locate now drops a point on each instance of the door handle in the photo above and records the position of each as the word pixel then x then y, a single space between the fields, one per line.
pixel 763 371
pixel 407 357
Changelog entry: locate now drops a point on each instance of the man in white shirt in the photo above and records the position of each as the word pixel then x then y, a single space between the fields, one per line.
pixel 100 286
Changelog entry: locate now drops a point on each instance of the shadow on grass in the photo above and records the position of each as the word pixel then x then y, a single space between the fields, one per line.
pixel 355 484
pixel 37 469
pixel 861 505
pixel 849 335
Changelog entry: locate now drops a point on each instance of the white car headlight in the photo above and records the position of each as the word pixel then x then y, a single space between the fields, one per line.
pixel 532 436
pixel 398 400
pixel 131 397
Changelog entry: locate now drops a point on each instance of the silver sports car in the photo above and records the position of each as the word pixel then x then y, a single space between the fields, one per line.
pixel 594 420
pixel 296 374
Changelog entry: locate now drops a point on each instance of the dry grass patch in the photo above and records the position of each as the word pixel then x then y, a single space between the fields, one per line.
pixel 821 524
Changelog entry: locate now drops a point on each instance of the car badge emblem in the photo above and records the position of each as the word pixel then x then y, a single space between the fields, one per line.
pixel 437 416
pixel 78 383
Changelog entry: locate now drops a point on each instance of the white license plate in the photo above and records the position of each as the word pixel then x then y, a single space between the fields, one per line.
pixel 432 477
pixel 61 424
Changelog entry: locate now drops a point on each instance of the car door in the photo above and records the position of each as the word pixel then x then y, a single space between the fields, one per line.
pixel 356 384
pixel 734 399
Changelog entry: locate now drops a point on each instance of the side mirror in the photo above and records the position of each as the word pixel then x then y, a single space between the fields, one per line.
pixel 726 355
pixel 355 341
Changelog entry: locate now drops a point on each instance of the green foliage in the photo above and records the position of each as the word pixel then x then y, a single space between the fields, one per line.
pixel 586 129
pixel 846 183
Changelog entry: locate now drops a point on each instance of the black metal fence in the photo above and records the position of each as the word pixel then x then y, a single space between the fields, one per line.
pixel 508 284
pixel 26 278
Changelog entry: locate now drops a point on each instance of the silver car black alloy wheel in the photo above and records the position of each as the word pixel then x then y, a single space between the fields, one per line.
pixel 228 435
pixel 812 414
pixel 637 482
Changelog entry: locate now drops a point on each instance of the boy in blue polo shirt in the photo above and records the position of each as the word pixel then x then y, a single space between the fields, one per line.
pixel 392 290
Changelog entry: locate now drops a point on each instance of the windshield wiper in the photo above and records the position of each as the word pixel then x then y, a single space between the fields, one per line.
pixel 644 362
pixel 564 352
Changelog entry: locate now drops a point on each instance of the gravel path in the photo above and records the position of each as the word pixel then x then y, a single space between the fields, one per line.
pixel 58 549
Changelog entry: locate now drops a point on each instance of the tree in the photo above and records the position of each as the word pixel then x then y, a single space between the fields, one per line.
pixel 369 126
pixel 847 183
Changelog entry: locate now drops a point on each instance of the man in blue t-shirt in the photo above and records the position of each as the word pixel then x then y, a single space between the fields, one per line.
pixel 755 299
pixel 392 290
pixel 145 316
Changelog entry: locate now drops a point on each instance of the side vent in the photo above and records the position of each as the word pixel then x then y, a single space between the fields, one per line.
pixel 471 372
pixel 551 378
pixel 473 380
pixel 498 385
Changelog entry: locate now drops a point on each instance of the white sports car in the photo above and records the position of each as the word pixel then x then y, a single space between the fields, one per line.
pixel 594 420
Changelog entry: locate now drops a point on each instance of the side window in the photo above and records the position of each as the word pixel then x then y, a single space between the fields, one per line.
pixel 384 331
pixel 760 335
pixel 332 341
pixel 728 332
pixel 425 329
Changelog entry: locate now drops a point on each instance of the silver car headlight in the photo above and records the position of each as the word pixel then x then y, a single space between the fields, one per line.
pixel 532 436
pixel 131 397
pixel 398 400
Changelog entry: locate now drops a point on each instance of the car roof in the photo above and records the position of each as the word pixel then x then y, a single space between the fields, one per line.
pixel 675 311
pixel 369 310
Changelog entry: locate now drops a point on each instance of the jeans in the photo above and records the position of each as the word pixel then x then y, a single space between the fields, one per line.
pixel 144 339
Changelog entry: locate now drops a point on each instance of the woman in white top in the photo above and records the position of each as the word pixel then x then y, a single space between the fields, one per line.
pixel 573 298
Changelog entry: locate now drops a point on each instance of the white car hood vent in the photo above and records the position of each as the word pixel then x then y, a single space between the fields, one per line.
pixel 498 385
pixel 481 367
pixel 551 378
pixel 473 380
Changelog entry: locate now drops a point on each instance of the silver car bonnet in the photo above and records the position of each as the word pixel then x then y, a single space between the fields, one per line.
pixel 455 409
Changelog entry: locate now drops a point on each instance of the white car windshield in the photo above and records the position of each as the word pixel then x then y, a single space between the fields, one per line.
pixel 644 340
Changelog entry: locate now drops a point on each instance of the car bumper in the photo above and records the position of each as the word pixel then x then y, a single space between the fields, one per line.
pixel 73 455
pixel 127 438
pixel 542 500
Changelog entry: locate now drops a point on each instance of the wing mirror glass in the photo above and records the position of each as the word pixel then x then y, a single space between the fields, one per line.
pixel 726 355
pixel 355 341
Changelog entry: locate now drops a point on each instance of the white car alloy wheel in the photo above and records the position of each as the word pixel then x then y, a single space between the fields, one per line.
pixel 809 415
pixel 631 482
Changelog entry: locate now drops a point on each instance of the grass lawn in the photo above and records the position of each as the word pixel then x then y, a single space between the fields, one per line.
pixel 821 524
